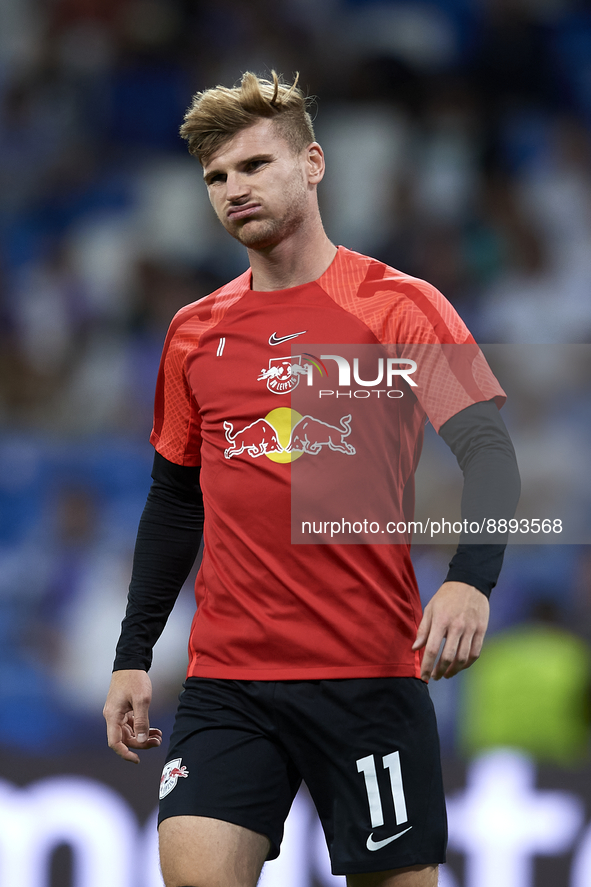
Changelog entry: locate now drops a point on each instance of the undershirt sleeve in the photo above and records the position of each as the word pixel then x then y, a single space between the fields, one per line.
pixel 167 543
pixel 479 440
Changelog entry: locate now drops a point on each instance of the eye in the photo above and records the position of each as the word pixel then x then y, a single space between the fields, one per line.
pixel 214 180
pixel 254 165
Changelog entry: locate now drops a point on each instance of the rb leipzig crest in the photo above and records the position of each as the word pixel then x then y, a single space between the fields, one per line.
pixel 170 776
pixel 283 373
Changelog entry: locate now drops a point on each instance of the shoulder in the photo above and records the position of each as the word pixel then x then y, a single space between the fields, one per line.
pixel 191 321
pixel 403 306
pixel 376 277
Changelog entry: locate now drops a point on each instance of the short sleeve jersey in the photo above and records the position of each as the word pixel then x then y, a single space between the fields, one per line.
pixel 268 609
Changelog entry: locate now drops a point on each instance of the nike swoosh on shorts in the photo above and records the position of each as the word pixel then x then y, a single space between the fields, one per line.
pixel 377 845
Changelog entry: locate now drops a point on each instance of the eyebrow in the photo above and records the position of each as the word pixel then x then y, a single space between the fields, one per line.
pixel 212 173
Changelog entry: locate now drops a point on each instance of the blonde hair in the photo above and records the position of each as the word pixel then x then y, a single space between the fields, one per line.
pixel 217 114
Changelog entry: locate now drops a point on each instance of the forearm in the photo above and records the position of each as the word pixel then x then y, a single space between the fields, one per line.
pixel 478 438
pixel 167 543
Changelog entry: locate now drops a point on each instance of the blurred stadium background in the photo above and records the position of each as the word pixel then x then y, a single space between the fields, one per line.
pixel 458 136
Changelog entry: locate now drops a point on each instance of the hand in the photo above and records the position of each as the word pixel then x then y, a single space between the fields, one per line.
pixel 126 714
pixel 459 613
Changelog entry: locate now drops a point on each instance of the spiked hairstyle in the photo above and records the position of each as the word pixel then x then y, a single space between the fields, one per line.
pixel 217 114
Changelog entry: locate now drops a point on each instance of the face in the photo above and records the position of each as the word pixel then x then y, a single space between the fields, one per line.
pixel 261 191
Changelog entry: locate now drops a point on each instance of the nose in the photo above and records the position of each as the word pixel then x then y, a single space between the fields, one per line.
pixel 236 188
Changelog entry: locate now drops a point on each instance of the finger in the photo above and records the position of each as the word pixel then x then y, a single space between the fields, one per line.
pixel 117 738
pixel 432 647
pixel 477 643
pixel 125 745
pixel 126 753
pixel 460 660
pixel 448 655
pixel 153 741
pixel 423 630
pixel 132 741
pixel 468 653
pixel 115 731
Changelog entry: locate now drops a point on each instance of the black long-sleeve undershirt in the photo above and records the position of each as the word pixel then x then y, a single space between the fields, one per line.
pixel 167 543
pixel 479 440
pixel 171 526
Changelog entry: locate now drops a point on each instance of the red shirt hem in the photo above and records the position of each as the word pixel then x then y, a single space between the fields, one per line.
pixel 235 673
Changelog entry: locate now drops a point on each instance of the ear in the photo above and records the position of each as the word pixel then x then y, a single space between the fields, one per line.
pixel 315 163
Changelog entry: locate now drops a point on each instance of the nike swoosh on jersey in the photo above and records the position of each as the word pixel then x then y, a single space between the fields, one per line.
pixel 274 339
pixel 377 845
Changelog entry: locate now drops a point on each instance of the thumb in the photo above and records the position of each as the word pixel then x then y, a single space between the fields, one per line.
pixel 141 721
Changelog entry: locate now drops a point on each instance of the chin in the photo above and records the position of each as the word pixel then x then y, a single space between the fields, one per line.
pixel 259 242
pixel 263 235
pixel 258 238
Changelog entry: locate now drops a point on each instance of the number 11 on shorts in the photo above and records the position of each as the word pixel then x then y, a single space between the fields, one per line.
pixel 391 762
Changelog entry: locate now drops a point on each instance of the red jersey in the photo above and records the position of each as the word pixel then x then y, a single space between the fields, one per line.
pixel 233 366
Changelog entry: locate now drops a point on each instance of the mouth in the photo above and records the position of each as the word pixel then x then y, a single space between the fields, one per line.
pixel 242 212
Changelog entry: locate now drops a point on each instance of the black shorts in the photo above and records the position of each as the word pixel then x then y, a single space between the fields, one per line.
pixel 367 749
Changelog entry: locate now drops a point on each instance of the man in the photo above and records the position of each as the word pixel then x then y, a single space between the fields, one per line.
pixel 306 661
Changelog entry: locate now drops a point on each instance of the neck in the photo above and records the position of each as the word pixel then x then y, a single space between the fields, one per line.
pixel 299 259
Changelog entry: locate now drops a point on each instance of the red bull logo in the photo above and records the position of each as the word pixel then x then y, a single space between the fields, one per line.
pixel 258 439
pixel 170 776
pixel 284 435
pixel 310 435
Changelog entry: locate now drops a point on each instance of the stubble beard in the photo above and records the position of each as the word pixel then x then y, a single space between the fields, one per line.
pixel 267 232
